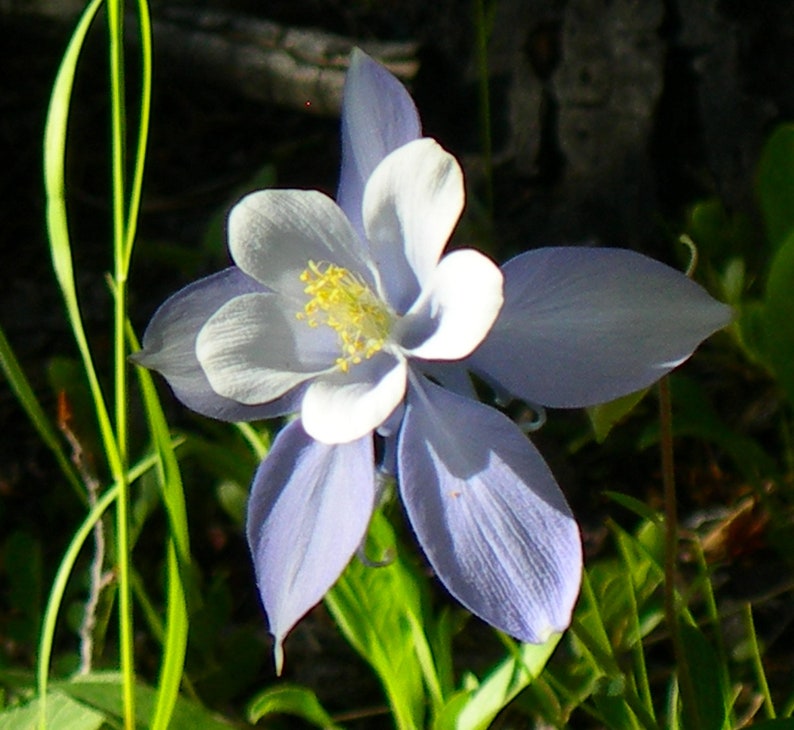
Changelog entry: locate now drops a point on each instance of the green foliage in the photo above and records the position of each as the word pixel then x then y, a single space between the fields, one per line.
pixel 607 669
pixel 778 316
pixel 379 611
pixel 713 701
pixel 776 185
pixel 290 700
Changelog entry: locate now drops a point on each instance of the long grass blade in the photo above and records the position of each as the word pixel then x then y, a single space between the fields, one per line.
pixel 62 577
pixel 27 399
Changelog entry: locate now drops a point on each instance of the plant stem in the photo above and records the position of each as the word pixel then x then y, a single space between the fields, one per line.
pixel 686 687
pixel 118 137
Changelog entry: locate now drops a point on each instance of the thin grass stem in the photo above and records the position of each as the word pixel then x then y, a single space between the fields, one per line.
pixel 686 687
pixel 758 664
pixel 115 10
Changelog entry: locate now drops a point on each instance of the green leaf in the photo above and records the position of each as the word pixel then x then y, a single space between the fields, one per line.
pixel 783 723
pixel 102 691
pixel 290 699
pixel 778 320
pixel 604 417
pixel 378 610
pixel 721 235
pixel 776 185
pixel 63 713
pixel 712 698
pixel 638 507
pixel 502 685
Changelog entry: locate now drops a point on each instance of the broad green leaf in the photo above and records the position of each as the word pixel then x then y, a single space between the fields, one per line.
pixel 102 691
pixel 776 185
pixel 613 708
pixel 604 417
pixel 712 698
pixel 290 699
pixel 502 685
pixel 377 609
pixel 63 713
pixel 778 340
pixel 721 235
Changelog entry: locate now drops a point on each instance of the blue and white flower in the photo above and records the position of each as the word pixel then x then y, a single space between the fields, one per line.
pixel 350 314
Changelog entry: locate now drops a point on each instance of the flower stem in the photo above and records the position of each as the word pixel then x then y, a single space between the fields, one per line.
pixel 115 10
pixel 686 687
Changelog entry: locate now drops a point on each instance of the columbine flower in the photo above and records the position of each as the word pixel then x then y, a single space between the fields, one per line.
pixel 340 311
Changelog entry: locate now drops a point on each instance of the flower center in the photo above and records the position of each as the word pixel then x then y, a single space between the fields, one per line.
pixel 342 301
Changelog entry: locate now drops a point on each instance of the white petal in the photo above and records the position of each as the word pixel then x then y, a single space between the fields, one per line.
pixel 461 301
pixel 412 203
pixel 254 349
pixel 341 407
pixel 274 233
pixel 378 116
pixel 169 346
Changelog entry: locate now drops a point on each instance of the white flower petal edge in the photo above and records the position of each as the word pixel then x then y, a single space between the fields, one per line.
pixel 411 205
pixel 378 116
pixel 252 350
pixel 460 303
pixel 341 407
pixel 274 233
pixel 309 508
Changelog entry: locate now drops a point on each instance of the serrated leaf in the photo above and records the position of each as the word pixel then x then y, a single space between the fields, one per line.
pixel 290 699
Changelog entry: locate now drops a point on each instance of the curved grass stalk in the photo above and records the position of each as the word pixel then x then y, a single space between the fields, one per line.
pixel 123 236
pixel 178 559
pixel 62 578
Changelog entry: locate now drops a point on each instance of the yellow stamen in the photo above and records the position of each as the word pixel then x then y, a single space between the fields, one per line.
pixel 342 300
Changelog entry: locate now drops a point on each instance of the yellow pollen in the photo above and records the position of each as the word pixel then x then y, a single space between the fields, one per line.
pixel 343 301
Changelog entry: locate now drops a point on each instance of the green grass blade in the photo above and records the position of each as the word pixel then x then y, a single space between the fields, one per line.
pixel 640 668
pixel 57 221
pixel 176 629
pixel 136 186
pixel 504 683
pixel 27 399
pixel 175 646
pixel 62 577
pixel 57 592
